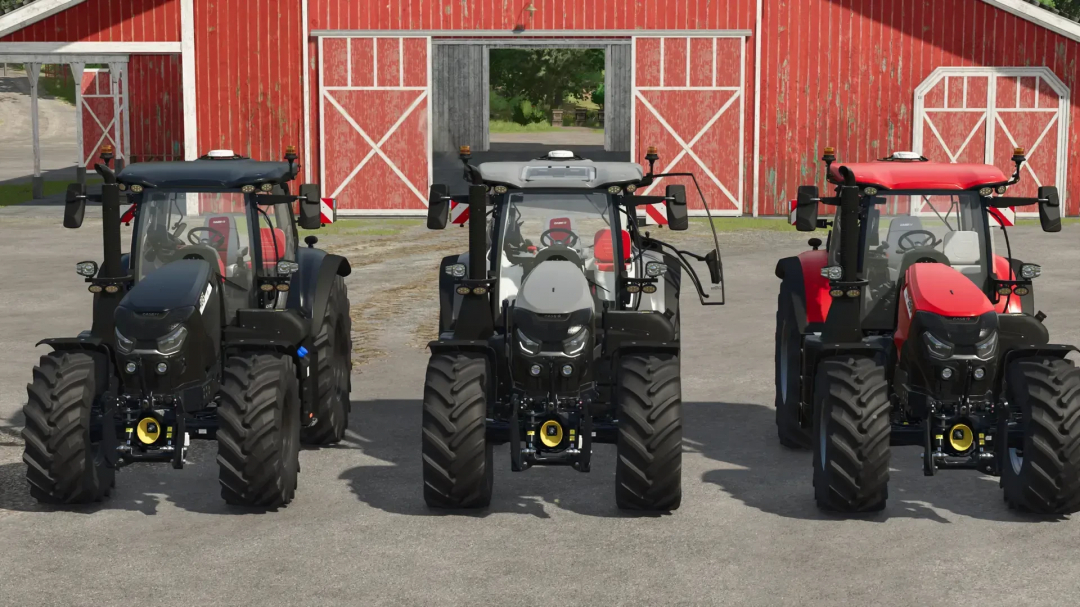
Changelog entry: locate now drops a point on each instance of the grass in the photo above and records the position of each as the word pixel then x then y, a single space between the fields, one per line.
pixel 739 224
pixel 364 227
pixel 15 193
pixel 506 126
pixel 60 88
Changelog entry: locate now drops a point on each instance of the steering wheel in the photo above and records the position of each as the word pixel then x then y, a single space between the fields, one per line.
pixel 930 240
pixel 216 239
pixel 569 240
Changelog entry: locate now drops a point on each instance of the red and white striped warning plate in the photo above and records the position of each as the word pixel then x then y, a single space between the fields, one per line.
pixel 459 212
pixel 327 209
pixel 1003 217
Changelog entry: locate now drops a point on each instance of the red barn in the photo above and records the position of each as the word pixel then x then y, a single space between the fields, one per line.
pixel 744 93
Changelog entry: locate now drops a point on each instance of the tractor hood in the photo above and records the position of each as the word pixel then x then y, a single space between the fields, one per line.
pixel 555 287
pixel 942 290
pixel 179 284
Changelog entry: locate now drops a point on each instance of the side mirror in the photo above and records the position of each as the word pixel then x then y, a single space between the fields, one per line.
pixel 310 208
pixel 1049 209
pixel 74 205
pixel 438 207
pixel 676 207
pixel 806 208
pixel 712 259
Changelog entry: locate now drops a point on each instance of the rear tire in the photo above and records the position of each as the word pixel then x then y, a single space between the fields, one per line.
pixel 64 465
pixel 851 435
pixel 259 431
pixel 458 471
pixel 334 349
pixel 788 370
pixel 1043 476
pixel 648 470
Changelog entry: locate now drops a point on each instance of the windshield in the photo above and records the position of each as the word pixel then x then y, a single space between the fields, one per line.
pixel 210 226
pixel 902 230
pixel 572 226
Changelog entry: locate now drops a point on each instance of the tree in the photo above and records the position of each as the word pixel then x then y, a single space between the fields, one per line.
pixel 1067 8
pixel 544 77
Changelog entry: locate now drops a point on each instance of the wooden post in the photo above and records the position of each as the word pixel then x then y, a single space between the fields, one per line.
pixel 80 161
pixel 33 70
pixel 114 89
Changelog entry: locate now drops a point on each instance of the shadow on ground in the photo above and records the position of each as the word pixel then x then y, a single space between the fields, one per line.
pixel 737 442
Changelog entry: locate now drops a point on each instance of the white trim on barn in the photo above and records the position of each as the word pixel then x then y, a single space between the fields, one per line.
pixel 991 119
pixel 526 35
pixel 306 79
pixel 90 48
pixel 187 59
pixel 1039 16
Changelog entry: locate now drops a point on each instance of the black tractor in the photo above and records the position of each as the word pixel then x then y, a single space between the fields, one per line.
pixel 217 324
pixel 559 328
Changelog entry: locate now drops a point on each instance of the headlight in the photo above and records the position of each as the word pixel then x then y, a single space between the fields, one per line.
pixel 123 344
pixel 832 272
pixel 86 268
pixel 573 345
pixel 171 343
pixel 527 345
pixel 985 349
pixel 938 349
pixel 456 270
pixel 287 268
pixel 1029 271
pixel 654 269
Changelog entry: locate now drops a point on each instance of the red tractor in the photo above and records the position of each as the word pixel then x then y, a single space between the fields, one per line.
pixel 908 328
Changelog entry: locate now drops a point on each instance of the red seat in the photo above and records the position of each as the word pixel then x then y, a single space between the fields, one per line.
pixel 559 235
pixel 273 245
pixel 222 226
pixel 604 249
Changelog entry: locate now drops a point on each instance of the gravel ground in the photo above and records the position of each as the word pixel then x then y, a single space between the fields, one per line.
pixel 358 533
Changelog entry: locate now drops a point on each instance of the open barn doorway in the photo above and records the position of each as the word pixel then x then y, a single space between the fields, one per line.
pixel 518 99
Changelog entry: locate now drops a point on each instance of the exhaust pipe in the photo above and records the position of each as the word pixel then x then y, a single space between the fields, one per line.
pixel 477 232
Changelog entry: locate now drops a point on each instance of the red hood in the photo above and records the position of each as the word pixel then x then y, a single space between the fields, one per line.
pixel 938 288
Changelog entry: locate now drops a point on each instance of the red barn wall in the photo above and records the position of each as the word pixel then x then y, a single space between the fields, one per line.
pixel 107 21
pixel 843 73
pixel 157 108
pixel 502 16
pixel 248 76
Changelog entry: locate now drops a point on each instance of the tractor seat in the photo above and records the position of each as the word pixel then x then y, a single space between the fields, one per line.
pixel 604 249
pixel 962 249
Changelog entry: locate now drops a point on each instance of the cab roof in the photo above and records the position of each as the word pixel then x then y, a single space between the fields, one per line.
pixel 557 173
pixel 227 174
pixel 916 175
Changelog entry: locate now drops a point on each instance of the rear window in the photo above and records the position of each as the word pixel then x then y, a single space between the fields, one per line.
pixel 537 173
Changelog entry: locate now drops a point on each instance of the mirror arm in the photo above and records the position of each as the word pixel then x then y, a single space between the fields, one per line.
pixel 681 256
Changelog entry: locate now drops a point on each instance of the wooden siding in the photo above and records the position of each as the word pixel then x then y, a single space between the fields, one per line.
pixel 156 106
pixel 459 97
pixel 618 62
pixel 248 78
pixel 107 21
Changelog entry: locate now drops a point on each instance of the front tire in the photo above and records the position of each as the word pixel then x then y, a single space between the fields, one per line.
pixel 851 435
pixel 458 471
pixel 1042 475
pixel 788 371
pixel 64 464
pixel 259 431
pixel 648 470
pixel 334 349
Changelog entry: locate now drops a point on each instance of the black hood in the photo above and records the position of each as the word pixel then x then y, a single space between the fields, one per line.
pixel 175 285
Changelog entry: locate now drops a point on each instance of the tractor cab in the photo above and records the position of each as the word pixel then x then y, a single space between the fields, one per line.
pixel 913 313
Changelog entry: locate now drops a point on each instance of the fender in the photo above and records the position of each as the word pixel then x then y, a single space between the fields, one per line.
pixel 476 346
pixel 810 289
pixel 312 282
pixel 98 350
pixel 814 350
pixel 1049 350
pixel 446 295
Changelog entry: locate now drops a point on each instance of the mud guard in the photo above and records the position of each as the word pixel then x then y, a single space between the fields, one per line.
pixel 97 349
pixel 814 350
pixel 1048 350
pixel 809 290
pixel 312 282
